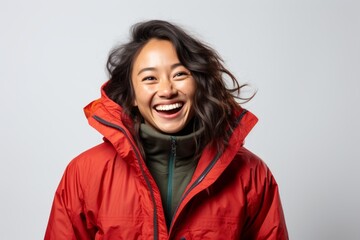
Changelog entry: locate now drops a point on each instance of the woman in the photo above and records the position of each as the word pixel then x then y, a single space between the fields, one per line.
pixel 172 164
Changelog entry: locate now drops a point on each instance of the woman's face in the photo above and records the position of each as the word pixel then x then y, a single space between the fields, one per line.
pixel 164 88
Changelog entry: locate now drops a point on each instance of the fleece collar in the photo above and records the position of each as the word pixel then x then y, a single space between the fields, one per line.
pixel 157 147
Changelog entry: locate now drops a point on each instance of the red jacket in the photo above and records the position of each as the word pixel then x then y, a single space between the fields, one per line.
pixel 107 192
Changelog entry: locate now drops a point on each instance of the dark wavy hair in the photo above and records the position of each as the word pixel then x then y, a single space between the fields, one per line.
pixel 214 104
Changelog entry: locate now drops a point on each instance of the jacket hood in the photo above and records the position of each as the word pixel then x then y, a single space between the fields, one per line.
pixel 106 117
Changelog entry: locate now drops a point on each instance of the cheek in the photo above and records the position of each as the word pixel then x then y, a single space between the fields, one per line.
pixel 187 87
pixel 140 95
pixel 191 91
pixel 143 98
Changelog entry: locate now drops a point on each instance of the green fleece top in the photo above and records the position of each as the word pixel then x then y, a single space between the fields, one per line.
pixel 171 161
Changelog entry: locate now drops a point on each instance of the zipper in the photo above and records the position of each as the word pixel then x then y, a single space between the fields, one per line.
pixel 171 167
pixel 140 162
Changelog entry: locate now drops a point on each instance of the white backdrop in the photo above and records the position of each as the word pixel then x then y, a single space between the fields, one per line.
pixel 302 56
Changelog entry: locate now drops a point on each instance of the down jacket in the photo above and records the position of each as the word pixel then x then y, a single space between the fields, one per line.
pixel 107 192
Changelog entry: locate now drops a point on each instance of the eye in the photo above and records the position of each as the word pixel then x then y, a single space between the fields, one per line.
pixel 181 74
pixel 149 78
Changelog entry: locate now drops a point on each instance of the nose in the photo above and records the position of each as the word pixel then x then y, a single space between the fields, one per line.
pixel 166 89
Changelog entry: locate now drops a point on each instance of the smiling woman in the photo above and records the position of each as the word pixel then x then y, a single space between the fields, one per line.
pixel 164 88
pixel 173 164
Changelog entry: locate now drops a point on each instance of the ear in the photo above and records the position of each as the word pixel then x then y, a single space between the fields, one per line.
pixel 135 103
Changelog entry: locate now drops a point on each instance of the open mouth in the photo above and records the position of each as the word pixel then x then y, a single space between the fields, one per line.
pixel 169 108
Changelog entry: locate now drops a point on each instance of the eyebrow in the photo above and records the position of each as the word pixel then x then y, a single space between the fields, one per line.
pixel 175 65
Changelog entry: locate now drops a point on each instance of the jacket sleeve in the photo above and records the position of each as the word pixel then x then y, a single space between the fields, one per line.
pixel 67 219
pixel 265 217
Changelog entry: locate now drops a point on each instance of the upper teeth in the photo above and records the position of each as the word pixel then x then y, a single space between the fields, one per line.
pixel 168 107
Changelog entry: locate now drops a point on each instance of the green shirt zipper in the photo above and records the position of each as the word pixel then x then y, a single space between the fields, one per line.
pixel 171 167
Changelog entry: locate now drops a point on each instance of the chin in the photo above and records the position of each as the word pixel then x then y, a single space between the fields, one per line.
pixel 171 130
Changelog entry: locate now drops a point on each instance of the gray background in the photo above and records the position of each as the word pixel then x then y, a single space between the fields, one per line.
pixel 303 57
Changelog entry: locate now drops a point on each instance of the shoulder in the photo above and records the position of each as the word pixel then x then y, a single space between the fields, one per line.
pixel 249 160
pixel 93 160
pixel 96 155
pixel 251 168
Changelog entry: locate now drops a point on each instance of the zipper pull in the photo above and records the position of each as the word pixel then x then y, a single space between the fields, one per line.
pixel 173 146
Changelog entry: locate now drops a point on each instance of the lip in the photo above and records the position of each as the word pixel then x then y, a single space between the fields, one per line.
pixel 168 103
pixel 168 107
pixel 165 114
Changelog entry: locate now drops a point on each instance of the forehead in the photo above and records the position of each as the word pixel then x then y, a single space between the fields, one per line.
pixel 156 52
